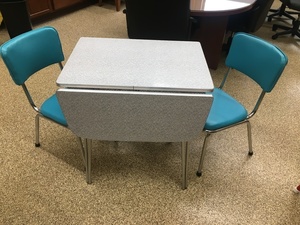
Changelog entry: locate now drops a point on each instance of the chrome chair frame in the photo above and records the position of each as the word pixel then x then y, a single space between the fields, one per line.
pixel 259 60
pixel 10 65
pixel 209 132
pixel 39 114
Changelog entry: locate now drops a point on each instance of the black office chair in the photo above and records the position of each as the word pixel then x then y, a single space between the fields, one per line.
pixel 294 29
pixel 250 21
pixel 281 12
pixel 15 17
pixel 158 19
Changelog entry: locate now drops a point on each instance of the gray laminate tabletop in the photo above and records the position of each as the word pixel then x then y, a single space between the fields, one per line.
pixel 138 65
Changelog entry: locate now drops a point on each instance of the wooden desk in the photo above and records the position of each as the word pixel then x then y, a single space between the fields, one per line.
pixel 136 90
pixel 212 16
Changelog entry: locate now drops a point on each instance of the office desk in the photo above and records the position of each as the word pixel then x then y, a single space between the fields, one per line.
pixel 212 16
pixel 135 90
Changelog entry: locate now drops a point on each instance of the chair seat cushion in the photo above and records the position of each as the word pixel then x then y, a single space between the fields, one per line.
pixel 51 109
pixel 225 111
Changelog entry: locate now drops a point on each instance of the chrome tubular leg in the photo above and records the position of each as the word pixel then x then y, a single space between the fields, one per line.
pixel 199 172
pixel 82 151
pixel 249 138
pixel 184 156
pixel 37 130
pixel 88 148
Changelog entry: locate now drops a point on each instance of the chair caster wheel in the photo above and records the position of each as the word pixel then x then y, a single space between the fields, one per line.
pixel 37 144
pixel 274 28
pixel 199 174
pixel 274 36
pixel 250 153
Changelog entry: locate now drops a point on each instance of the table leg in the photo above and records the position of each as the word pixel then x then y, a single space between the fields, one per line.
pixel 118 5
pixel 210 33
pixel 117 2
pixel 184 154
pixel 82 151
pixel 88 156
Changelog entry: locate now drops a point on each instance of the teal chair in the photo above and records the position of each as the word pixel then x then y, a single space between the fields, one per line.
pixel 28 53
pixel 257 59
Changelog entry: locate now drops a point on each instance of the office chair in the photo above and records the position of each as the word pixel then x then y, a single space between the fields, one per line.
pixel 294 30
pixel 257 59
pixel 250 21
pixel 15 17
pixel 281 12
pixel 158 19
pixel 28 53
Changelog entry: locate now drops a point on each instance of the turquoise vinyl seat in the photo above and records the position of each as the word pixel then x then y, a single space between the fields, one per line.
pixel 256 58
pixel 51 109
pixel 226 110
pixel 25 55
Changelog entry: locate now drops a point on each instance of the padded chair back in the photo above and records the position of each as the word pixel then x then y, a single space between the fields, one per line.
pixel 292 4
pixel 250 21
pixel 256 58
pixel 15 16
pixel 30 52
pixel 158 19
pixel 258 15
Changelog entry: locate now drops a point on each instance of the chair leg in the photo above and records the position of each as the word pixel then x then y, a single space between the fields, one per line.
pixel 294 30
pixel 199 172
pixel 184 156
pixel 88 152
pixel 281 12
pixel 117 3
pixel 249 138
pixel 37 130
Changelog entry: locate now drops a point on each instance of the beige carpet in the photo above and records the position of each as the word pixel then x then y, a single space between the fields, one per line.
pixel 139 183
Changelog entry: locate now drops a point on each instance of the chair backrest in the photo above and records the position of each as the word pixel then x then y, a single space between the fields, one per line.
pixel 158 19
pixel 134 115
pixel 258 15
pixel 292 4
pixel 30 52
pixel 15 16
pixel 256 58
pixel 251 20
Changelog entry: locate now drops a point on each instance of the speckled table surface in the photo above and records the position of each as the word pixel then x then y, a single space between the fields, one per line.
pixel 127 64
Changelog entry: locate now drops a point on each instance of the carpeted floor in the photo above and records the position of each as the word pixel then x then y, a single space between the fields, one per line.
pixel 139 183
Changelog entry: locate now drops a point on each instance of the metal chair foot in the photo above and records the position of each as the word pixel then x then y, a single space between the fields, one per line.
pixel 37 144
pixel 199 174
